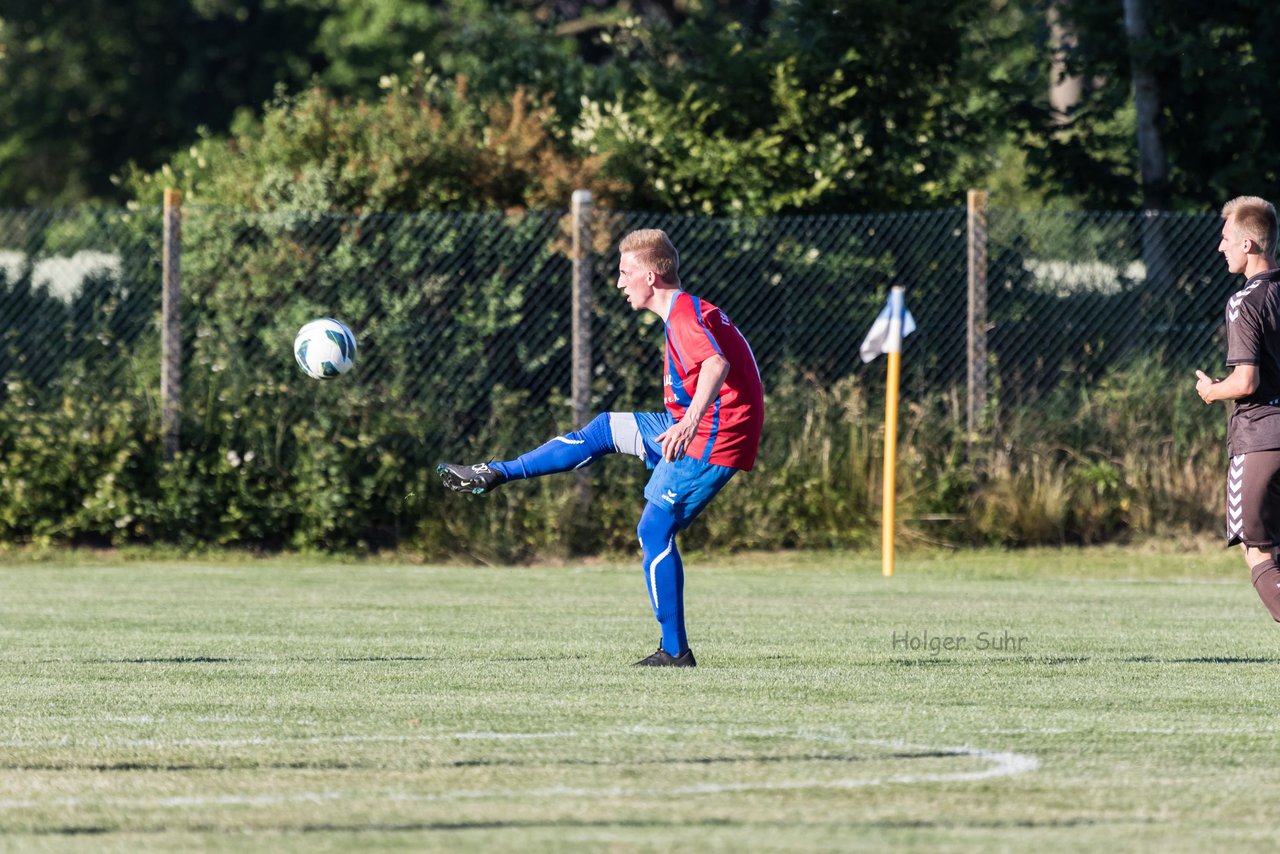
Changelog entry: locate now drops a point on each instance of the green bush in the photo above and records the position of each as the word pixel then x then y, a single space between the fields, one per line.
pixel 427 144
pixel 1096 465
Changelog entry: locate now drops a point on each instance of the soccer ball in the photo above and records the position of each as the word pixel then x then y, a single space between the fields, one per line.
pixel 325 348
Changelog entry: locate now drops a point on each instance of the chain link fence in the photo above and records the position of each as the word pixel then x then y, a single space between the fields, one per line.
pixel 1073 295
pixel 464 319
pixel 79 296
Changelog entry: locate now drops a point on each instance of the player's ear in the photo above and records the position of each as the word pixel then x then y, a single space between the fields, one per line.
pixel 1249 246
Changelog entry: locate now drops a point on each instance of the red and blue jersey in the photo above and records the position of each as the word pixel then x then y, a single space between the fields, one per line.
pixel 729 434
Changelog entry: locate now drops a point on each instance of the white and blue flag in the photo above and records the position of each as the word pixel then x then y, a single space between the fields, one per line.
pixel 892 325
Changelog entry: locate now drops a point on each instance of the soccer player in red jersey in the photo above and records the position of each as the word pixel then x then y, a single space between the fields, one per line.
pixel 710 430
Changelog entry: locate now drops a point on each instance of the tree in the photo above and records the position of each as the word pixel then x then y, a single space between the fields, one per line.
pixel 832 105
pixel 87 87
pixel 1215 70
pixel 1146 101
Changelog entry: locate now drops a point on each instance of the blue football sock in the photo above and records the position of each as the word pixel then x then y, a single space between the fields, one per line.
pixel 664 574
pixel 563 453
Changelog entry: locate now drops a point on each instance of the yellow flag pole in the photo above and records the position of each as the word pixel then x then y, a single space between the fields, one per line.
pixel 890 458
pixel 885 336
pixel 893 347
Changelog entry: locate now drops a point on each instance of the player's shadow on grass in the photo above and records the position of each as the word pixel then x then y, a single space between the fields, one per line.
pixel 356 659
pixel 177 659
pixel 372 658
pixel 623 823
pixel 413 827
pixel 931 661
pixel 1204 659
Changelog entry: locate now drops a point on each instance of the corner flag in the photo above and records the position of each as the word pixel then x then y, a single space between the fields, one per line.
pixel 892 325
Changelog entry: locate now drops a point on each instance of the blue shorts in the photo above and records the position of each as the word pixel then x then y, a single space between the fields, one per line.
pixel 684 486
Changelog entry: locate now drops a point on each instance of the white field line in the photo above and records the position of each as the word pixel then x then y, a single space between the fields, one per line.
pixel 802 734
pixel 999 764
pixel 1251 731
pixel 152 719
pixel 162 803
pixel 264 741
pixel 1197 581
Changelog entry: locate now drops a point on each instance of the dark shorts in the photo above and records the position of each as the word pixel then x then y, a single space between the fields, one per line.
pixel 1253 500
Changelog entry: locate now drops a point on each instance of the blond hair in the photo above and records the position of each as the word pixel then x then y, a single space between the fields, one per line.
pixel 654 250
pixel 1254 219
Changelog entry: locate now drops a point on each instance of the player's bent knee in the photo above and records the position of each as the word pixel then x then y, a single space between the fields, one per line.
pixel 656 525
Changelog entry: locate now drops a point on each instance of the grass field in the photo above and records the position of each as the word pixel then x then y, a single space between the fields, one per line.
pixel 1122 699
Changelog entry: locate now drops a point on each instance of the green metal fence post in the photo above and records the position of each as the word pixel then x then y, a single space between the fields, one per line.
pixel 582 357
pixel 170 326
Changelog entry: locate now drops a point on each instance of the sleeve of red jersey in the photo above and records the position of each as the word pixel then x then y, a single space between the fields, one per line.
pixel 695 341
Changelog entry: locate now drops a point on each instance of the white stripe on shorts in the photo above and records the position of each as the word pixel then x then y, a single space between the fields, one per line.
pixel 1235 498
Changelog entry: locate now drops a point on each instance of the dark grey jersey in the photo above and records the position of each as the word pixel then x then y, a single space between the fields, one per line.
pixel 1253 338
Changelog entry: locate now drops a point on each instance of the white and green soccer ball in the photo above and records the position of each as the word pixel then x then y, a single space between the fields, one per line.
pixel 325 348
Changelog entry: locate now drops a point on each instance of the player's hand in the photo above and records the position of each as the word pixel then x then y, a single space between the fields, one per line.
pixel 1203 382
pixel 676 438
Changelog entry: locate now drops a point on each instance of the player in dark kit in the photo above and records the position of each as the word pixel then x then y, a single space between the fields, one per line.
pixel 1249 235
pixel 710 430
